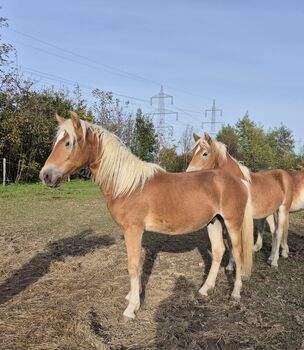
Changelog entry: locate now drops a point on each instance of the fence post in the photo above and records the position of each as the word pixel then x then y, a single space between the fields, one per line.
pixel 4 171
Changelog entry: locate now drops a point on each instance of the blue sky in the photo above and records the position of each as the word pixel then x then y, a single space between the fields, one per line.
pixel 248 55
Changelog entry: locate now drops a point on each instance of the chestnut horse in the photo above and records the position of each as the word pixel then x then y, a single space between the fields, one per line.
pixel 296 205
pixel 272 190
pixel 143 196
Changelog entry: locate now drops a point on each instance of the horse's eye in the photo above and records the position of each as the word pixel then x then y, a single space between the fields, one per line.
pixel 205 154
pixel 67 144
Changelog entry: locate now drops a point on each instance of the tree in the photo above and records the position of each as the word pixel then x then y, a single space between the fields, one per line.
pixel 228 136
pixel 170 160
pixel 256 152
pixel 111 114
pixel 80 105
pixel 145 138
pixel 27 126
pixel 5 49
pixel 186 142
pixel 282 142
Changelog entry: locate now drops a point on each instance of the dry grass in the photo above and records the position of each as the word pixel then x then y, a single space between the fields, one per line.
pixel 63 279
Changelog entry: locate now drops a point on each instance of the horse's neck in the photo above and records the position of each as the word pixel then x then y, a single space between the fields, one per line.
pixel 94 153
pixel 95 158
pixel 94 167
pixel 232 166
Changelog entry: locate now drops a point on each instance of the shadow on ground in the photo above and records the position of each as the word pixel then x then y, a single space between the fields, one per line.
pixel 78 245
pixel 184 322
pixel 155 243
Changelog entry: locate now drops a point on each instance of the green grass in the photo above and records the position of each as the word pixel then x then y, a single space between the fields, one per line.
pixel 76 189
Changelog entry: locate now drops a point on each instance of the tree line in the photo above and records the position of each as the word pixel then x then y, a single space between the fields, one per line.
pixel 27 128
pixel 260 149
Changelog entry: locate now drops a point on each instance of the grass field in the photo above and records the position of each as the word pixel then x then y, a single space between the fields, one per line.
pixel 63 279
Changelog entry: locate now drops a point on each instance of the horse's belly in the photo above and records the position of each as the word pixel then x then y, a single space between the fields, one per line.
pixel 174 227
pixel 265 203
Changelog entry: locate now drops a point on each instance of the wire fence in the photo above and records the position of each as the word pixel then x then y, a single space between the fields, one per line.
pixel 12 172
pixel 8 171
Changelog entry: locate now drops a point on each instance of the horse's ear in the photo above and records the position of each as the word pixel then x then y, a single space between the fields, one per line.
pixel 59 119
pixel 195 136
pixel 75 120
pixel 208 138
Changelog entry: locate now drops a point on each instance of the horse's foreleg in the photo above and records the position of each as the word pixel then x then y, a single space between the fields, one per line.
pixel 259 241
pixel 215 232
pixel 236 239
pixel 133 243
pixel 273 225
pixel 284 245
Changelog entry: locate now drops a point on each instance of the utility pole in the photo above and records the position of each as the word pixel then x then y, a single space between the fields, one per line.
pixel 163 128
pixel 213 121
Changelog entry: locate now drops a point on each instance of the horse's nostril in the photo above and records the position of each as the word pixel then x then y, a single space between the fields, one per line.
pixel 46 176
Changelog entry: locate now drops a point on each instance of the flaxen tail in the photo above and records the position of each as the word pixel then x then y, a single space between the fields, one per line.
pixel 247 234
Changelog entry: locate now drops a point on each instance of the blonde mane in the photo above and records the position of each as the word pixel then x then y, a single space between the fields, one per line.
pixel 221 150
pixel 119 171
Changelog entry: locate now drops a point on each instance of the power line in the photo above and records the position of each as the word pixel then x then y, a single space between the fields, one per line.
pixel 163 128
pixel 68 81
pixel 60 79
pixel 109 67
pixel 66 58
pixel 187 113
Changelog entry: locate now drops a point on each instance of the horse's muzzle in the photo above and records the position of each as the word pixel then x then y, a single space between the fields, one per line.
pixel 51 176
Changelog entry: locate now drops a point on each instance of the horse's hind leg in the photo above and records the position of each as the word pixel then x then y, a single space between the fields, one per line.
pixel 282 226
pixel 259 241
pixel 133 243
pixel 230 266
pixel 215 232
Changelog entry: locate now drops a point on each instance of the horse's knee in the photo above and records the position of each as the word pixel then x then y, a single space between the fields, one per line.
pixel 133 269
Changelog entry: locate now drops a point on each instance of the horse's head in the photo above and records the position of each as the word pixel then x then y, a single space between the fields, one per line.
pixel 204 155
pixel 68 153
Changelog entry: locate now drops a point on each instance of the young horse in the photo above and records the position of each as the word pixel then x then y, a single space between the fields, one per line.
pixel 272 190
pixel 296 205
pixel 143 196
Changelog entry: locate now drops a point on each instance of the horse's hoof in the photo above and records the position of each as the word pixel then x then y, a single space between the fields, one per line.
pixel 274 266
pixel 127 318
pixel 256 248
pixel 235 297
pixel 284 254
pixel 203 293
pixel 128 315
pixel 229 268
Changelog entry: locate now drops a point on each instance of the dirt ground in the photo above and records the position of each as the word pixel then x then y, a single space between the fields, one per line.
pixel 63 279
